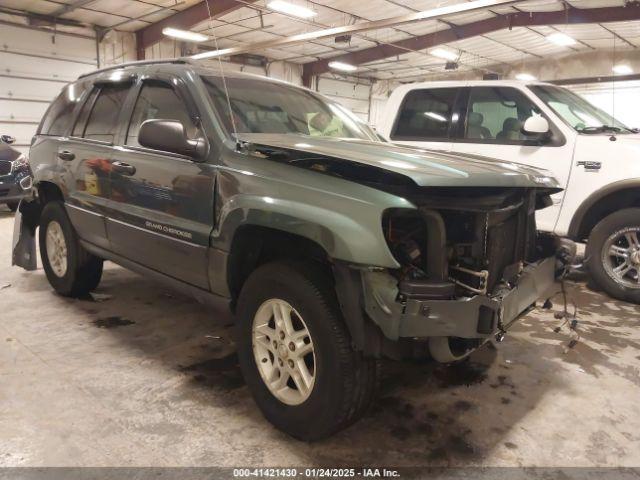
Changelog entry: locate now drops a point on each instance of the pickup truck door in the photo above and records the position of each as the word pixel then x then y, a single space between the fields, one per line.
pixel 493 118
pixel 162 202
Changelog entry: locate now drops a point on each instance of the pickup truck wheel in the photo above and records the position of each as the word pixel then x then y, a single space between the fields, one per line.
pixel 296 355
pixel 70 269
pixel 613 254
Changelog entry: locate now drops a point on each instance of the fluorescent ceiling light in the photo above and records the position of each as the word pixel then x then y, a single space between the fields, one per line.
pixel 291 9
pixel 345 67
pixel 561 39
pixel 525 77
pixel 446 54
pixel 184 35
pixel 622 69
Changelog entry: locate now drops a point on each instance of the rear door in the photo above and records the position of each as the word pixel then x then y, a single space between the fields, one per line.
pixel 491 127
pixel 162 202
pixel 426 118
pixel 85 156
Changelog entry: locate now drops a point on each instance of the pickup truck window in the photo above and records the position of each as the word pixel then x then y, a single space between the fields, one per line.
pixel 496 115
pixel 425 115
pixel 159 100
pixel 103 119
pixel 268 107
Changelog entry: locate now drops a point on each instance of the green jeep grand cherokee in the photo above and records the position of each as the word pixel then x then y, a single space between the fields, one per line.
pixel 331 249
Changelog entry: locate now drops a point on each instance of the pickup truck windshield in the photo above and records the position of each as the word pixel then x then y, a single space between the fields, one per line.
pixel 578 112
pixel 260 106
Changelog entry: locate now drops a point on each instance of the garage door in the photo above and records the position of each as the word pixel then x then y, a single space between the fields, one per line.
pixel 353 96
pixel 35 65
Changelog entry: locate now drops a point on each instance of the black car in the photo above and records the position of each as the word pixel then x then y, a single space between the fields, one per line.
pixel 15 175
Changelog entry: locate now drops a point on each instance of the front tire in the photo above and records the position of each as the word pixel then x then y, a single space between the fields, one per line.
pixel 70 269
pixel 285 308
pixel 613 254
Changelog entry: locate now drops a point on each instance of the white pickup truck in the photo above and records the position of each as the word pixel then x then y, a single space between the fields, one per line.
pixel 593 156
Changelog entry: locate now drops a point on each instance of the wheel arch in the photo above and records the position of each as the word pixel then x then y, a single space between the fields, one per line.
pixel 49 192
pixel 254 245
pixel 603 202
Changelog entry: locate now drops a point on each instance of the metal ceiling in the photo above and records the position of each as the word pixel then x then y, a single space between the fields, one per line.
pixel 249 22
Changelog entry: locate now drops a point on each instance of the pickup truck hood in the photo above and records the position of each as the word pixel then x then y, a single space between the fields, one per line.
pixel 426 168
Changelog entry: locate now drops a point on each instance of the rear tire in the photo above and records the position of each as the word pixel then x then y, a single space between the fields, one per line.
pixel 70 269
pixel 13 206
pixel 613 254
pixel 344 382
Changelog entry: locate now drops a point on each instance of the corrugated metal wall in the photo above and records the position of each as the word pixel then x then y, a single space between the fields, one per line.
pixel 34 66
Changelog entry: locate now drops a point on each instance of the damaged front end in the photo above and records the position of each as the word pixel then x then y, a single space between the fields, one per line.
pixel 471 262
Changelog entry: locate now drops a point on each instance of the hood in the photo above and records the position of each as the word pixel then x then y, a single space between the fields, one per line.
pixel 426 168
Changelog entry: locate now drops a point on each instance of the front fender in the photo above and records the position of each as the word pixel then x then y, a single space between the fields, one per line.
pixel 354 237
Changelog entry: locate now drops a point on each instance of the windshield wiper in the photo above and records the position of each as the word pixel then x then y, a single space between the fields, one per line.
pixel 600 129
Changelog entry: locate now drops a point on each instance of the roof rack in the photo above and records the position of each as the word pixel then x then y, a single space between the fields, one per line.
pixel 182 60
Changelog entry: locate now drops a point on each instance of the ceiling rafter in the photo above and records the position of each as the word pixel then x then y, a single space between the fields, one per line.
pixel 70 7
pixel 184 19
pixel 508 21
pixel 618 36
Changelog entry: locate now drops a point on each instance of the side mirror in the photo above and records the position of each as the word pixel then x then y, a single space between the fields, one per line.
pixel 536 126
pixel 8 139
pixel 170 136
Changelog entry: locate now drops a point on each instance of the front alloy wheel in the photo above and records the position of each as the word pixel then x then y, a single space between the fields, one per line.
pixel 613 254
pixel 283 351
pixel 296 353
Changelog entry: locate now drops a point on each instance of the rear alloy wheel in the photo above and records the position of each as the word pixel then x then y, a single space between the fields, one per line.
pixel 70 269
pixel 296 354
pixel 56 249
pixel 613 254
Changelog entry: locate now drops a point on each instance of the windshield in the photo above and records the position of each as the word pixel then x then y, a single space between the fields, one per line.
pixel 576 111
pixel 261 106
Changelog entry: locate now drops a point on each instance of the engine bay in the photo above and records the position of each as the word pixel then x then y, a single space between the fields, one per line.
pixel 489 237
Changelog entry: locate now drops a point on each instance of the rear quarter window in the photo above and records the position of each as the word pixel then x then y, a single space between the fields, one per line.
pixel 59 115
pixel 425 114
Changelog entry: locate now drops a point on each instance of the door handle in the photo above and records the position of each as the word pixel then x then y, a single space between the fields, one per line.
pixel 123 168
pixel 66 155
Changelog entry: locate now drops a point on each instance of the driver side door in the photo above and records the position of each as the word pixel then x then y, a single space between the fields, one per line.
pixel 162 202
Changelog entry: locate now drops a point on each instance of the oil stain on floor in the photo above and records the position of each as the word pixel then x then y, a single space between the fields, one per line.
pixel 112 322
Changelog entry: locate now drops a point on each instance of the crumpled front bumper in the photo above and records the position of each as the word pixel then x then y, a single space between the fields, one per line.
pixel 478 317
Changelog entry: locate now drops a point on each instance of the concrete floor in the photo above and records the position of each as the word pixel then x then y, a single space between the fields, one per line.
pixel 143 376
